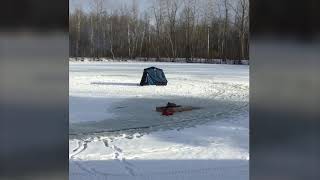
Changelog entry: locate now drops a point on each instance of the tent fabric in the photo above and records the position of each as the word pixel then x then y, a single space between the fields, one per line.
pixel 153 76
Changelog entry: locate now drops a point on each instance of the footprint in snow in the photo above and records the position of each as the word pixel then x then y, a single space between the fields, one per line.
pixel 116 148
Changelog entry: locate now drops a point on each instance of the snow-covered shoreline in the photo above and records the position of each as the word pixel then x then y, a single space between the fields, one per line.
pixel 168 60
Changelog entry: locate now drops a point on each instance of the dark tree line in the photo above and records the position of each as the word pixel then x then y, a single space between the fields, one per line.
pixel 168 29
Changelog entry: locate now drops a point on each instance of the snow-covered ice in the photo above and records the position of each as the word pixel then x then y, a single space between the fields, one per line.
pixel 115 132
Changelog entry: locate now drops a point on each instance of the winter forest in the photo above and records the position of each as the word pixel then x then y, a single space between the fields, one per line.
pixel 170 29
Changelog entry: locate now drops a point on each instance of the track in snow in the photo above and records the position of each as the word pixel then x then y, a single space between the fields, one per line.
pixel 128 169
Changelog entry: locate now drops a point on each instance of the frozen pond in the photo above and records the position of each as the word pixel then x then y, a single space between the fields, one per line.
pixel 105 97
pixel 115 132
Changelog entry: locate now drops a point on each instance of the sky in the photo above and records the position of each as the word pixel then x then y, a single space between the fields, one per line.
pixel 142 4
pixel 110 4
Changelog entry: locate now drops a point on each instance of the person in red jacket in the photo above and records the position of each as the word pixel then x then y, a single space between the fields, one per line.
pixel 168 111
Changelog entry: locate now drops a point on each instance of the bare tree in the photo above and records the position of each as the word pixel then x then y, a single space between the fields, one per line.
pixel 172 7
pixel 225 29
pixel 208 17
pixel 158 10
pixel 243 7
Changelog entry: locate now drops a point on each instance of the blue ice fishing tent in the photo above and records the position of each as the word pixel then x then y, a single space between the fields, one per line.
pixel 153 76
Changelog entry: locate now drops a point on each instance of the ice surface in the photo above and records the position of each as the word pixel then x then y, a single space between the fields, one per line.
pixel 115 132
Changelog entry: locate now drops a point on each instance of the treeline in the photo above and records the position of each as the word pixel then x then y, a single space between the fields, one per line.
pixel 168 29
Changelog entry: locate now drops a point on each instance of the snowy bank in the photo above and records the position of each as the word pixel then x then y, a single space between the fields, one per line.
pixel 175 60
